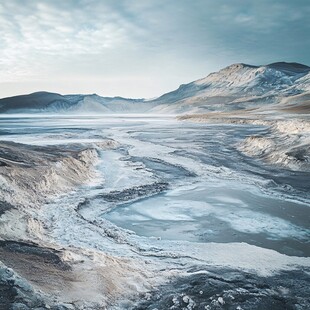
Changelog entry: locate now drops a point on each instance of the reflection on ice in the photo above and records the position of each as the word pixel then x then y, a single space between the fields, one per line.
pixel 207 215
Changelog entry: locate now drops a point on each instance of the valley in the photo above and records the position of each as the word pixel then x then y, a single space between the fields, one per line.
pixel 200 201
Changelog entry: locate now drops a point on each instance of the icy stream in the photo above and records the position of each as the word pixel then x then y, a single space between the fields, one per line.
pixel 180 181
pixel 215 194
pixel 193 222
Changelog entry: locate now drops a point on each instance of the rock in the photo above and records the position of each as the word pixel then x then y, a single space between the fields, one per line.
pixel 221 301
pixel 20 306
pixel 186 299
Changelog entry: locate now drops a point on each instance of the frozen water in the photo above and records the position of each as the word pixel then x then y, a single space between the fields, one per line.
pixel 214 193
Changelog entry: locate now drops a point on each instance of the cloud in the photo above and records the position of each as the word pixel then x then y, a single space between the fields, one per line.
pixel 42 29
pixel 163 42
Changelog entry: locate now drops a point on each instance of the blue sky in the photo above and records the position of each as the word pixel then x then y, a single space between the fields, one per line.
pixel 141 48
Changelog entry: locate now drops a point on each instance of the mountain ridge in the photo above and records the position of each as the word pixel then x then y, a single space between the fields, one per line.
pixel 217 90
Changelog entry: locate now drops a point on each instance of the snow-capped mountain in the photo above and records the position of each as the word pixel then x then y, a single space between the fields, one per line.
pixel 235 87
pixel 239 86
pixel 241 78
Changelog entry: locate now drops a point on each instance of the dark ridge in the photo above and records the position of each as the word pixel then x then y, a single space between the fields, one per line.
pixel 289 66
pixel 38 100
pixel 47 255
pixel 135 192
pixel 231 289
pixel 111 99
pixel 240 65
pixel 4 206
pixel 129 99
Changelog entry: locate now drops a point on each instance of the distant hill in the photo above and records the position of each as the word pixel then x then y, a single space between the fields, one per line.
pixel 35 101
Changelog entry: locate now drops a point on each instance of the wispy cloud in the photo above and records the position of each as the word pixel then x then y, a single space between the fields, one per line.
pixel 159 43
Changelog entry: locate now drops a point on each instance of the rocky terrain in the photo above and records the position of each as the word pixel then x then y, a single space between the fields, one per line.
pixel 206 211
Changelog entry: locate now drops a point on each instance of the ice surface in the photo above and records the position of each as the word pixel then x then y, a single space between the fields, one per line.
pixel 217 207
pixel 202 208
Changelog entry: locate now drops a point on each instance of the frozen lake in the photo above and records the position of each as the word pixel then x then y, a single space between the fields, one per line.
pixel 182 181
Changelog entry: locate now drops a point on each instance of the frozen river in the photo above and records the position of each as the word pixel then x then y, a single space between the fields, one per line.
pixel 175 216
pixel 173 180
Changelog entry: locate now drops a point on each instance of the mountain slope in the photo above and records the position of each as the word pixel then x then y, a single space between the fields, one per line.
pixel 239 86
pixel 238 79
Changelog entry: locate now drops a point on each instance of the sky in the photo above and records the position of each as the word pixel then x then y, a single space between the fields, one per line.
pixel 141 48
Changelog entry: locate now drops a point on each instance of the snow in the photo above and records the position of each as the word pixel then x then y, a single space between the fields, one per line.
pixel 147 198
pixel 70 230
pixel 287 145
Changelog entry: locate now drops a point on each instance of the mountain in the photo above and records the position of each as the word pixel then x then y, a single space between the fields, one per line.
pixel 35 101
pixel 240 85
pixel 45 102
pixel 235 87
pixel 238 79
